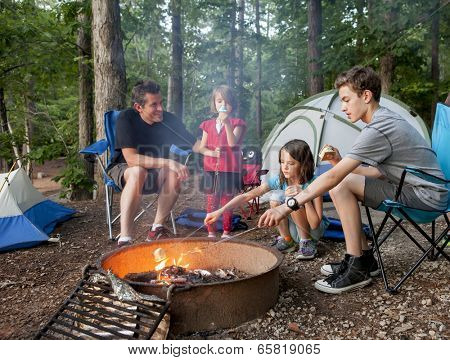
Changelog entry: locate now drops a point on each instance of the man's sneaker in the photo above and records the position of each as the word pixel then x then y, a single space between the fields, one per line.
pixel 307 249
pixel 285 246
pixel 353 274
pixel 159 233
pixel 124 241
pixel 333 268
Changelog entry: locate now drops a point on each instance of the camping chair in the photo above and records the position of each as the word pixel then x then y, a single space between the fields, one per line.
pixel 251 177
pixel 98 148
pixel 398 212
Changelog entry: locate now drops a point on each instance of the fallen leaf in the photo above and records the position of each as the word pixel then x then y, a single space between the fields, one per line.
pixel 294 327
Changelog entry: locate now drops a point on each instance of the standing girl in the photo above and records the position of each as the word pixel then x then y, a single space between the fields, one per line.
pixel 306 225
pixel 221 146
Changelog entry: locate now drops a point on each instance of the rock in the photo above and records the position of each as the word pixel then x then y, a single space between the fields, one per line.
pixel 432 332
pixel 442 328
pixel 401 318
pixel 272 313
pixel 403 328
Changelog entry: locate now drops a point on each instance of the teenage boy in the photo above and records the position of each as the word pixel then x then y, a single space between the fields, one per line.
pixel 387 144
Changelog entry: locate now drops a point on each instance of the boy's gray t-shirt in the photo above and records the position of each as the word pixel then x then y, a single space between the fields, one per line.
pixel 390 143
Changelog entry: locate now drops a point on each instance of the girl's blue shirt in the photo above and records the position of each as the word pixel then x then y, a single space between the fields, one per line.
pixel 274 183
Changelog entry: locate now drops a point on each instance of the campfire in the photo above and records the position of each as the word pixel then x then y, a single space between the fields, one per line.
pixel 213 285
pixel 180 274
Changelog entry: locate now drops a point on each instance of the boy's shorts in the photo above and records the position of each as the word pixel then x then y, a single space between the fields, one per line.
pixel 151 183
pixel 377 190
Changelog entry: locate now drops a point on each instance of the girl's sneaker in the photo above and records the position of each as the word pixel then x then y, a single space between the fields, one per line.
pixel 307 249
pixel 225 236
pixel 285 246
pixel 212 235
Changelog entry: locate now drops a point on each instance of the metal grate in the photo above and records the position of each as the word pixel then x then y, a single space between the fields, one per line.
pixel 93 311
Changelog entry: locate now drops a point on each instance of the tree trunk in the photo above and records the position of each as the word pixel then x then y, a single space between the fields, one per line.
pixel 3 128
pixel 360 33
pixel 15 148
pixel 315 79
pixel 386 72
pixel 240 51
pixel 86 98
pixel 435 58
pixel 175 95
pixel 258 75
pixel 109 64
pixel 387 61
pixel 232 60
pixel 30 112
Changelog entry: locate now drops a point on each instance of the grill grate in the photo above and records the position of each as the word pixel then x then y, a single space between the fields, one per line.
pixel 93 311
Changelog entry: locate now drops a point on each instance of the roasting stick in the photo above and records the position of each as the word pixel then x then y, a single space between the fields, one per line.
pixel 199 249
pixel 235 236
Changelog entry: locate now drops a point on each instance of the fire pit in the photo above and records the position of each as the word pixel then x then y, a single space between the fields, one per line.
pixel 206 306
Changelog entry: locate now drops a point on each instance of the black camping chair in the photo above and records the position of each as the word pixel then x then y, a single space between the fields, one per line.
pixel 251 177
pixel 398 212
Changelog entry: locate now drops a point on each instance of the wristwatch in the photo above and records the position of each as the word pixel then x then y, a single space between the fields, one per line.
pixel 292 204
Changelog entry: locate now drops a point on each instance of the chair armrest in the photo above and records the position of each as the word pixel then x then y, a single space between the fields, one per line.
pixel 177 151
pixel 96 148
pixel 421 174
pixel 425 176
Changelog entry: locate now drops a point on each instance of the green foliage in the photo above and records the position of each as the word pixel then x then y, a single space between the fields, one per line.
pixel 74 175
pixel 38 60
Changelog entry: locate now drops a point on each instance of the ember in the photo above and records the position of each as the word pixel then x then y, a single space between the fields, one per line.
pixel 180 275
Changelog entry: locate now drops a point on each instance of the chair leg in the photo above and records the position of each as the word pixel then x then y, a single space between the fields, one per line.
pixel 416 265
pixel 108 211
pixel 445 239
pixel 433 243
pixel 173 223
pixel 376 245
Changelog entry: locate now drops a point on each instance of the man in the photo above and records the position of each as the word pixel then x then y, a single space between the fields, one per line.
pixel 144 134
pixel 387 144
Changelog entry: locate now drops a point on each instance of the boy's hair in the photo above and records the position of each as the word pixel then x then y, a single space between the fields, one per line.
pixel 300 151
pixel 141 88
pixel 227 94
pixel 360 78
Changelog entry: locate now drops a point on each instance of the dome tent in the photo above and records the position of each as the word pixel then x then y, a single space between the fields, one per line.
pixel 26 216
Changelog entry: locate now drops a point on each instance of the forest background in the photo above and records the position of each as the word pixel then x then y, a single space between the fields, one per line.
pixel 64 63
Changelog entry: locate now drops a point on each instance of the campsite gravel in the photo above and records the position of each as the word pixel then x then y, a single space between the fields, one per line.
pixel 35 282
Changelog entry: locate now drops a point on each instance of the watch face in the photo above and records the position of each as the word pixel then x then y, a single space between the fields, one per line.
pixel 291 202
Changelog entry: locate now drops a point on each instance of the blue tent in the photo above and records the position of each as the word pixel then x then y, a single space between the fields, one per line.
pixel 26 217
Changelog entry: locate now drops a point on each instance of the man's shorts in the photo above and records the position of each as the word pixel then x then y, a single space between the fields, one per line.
pixel 151 183
pixel 376 191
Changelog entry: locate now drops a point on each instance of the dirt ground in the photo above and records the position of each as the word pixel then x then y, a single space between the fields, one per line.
pixel 35 282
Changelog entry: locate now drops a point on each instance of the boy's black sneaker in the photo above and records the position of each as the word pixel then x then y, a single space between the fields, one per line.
pixel 159 233
pixel 353 274
pixel 333 268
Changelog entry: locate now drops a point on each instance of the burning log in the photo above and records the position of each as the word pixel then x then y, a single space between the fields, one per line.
pixel 180 275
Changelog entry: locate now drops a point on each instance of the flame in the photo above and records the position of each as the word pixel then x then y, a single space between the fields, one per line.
pixel 161 265
pixel 161 258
